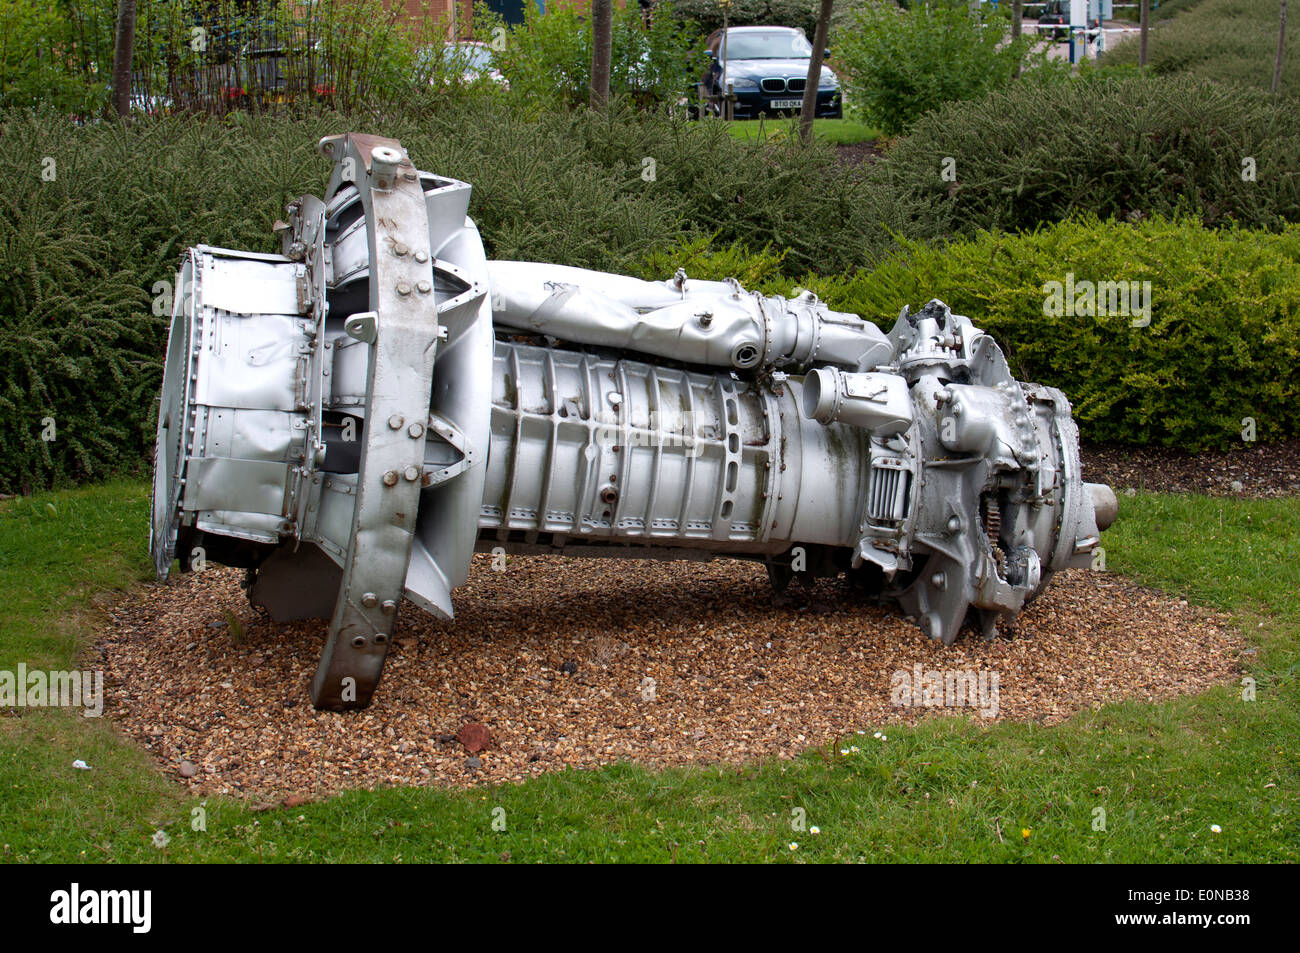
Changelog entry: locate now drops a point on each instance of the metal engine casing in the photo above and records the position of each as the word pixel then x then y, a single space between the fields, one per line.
pixel 352 419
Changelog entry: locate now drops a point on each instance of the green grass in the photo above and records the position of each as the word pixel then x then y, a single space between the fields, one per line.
pixel 838 132
pixel 947 789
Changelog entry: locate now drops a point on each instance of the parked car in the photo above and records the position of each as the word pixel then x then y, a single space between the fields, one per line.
pixel 1054 20
pixel 766 68
pixel 471 60
pixel 272 75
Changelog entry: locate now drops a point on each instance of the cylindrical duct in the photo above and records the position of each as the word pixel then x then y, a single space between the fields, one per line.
pixel 589 450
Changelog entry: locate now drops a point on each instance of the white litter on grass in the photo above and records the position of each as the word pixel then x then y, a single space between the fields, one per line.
pixel 80 765
pixel 160 839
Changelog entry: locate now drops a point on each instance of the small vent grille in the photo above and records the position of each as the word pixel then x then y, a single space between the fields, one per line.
pixel 773 85
pixel 887 495
pixel 796 85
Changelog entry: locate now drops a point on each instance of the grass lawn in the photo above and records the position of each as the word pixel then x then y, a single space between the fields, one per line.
pixel 947 790
pixel 839 132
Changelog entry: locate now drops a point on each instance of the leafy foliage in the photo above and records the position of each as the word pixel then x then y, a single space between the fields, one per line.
pixel 1129 146
pixel 900 64
pixel 547 59
pixel 1223 342
pixel 214 55
pixel 1233 41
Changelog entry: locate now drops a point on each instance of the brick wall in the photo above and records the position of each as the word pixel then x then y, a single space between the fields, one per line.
pixel 430 12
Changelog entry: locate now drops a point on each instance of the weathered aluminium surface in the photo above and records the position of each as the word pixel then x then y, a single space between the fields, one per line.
pixel 353 419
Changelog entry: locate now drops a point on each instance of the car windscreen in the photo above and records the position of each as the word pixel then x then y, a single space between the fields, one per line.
pixel 767 45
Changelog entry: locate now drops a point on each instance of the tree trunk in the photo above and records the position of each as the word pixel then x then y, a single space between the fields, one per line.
pixel 1017 25
pixel 602 46
pixel 1143 27
pixel 1281 48
pixel 122 57
pixel 809 109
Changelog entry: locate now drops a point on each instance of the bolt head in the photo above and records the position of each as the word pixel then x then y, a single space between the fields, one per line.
pixel 411 473
pixel 415 431
pixel 396 421
pixel 390 478
pixel 403 288
pixel 370 600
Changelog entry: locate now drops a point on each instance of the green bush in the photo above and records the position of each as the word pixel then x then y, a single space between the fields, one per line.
pixel 1225 40
pixel 211 55
pixel 1045 149
pixel 547 59
pixel 900 64
pixel 38 64
pixel 1223 341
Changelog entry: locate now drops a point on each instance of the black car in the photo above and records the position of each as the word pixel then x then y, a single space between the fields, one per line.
pixel 766 68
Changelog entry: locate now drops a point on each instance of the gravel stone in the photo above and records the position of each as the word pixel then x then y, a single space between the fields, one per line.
pixel 694 629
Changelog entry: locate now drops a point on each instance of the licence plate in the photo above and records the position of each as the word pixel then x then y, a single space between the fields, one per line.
pixel 787 104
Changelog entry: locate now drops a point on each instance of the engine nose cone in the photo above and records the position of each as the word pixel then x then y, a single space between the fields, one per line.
pixel 1104 504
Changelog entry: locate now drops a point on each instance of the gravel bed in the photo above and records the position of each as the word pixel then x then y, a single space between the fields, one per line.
pixel 554 657
pixel 1257 470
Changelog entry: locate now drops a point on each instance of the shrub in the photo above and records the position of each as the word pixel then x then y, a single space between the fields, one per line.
pixel 900 64
pixel 1223 342
pixel 548 58
pixel 1043 149
pixel 37 62
pixel 1226 40
pixel 212 56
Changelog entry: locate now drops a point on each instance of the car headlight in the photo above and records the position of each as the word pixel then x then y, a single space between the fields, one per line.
pixel 743 82
pixel 830 81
